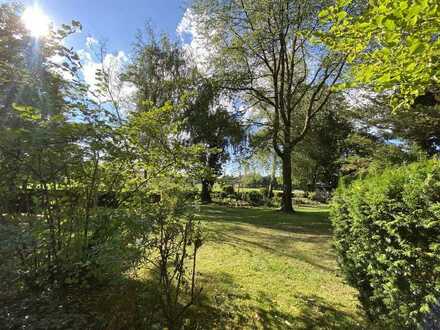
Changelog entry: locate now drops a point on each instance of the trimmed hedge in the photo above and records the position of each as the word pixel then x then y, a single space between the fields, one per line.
pixel 387 237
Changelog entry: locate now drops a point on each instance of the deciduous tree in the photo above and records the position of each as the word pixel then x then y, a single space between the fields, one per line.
pixel 263 50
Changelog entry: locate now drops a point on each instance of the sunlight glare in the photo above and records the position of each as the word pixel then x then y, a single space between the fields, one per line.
pixel 36 21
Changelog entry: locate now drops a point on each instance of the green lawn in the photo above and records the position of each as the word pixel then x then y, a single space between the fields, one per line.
pixel 262 269
pixel 259 269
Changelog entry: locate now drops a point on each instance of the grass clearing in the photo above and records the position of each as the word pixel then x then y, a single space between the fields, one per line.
pixel 267 270
pixel 259 269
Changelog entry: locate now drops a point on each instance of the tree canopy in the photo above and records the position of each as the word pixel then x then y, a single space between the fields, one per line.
pixel 392 46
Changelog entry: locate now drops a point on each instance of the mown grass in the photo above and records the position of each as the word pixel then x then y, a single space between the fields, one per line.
pixel 262 269
pixel 259 269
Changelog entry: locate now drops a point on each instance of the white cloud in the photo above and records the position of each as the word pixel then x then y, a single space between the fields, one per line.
pixel 57 68
pixel 198 47
pixel 116 89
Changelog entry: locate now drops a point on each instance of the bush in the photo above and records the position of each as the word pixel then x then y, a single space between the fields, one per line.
pixel 320 196
pixel 229 190
pixel 311 195
pixel 304 201
pixel 299 194
pixel 387 237
pixel 254 197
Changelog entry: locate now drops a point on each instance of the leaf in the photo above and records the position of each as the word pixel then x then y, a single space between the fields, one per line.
pixel 379 19
pixel 411 66
pixel 403 5
pixel 425 309
pixel 26 112
pixel 414 10
pixel 385 78
pixel 389 24
pixel 323 13
pixel 416 47
pixel 341 15
pixel 344 3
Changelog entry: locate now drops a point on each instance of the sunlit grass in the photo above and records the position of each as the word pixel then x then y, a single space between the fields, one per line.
pixel 261 268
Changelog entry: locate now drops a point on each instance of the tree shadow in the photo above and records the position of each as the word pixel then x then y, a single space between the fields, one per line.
pixel 304 236
pixel 276 247
pixel 230 308
pixel 315 312
pixel 305 221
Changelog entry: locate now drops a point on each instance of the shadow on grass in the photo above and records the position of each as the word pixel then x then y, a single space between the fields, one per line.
pixel 230 308
pixel 304 236
pixel 125 303
pixel 276 247
pixel 306 221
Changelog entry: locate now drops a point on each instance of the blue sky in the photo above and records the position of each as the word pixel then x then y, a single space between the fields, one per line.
pixel 115 21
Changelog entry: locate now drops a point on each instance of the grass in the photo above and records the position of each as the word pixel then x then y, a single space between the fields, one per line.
pixel 259 269
pixel 262 269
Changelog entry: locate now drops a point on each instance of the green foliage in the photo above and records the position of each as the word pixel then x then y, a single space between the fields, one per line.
pixel 158 69
pixel 228 190
pixel 316 158
pixel 299 193
pixel 419 125
pixel 85 197
pixel 163 75
pixel 254 197
pixel 387 233
pixel 366 153
pixel 261 51
pixel 392 45
pixel 172 249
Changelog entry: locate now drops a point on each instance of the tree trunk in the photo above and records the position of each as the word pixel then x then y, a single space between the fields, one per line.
pixel 205 195
pixel 286 202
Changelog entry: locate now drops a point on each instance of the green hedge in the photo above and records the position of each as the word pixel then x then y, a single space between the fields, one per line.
pixel 387 237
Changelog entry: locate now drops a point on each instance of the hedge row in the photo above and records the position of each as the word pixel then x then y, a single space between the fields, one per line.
pixel 253 197
pixel 387 237
pixel 260 197
pixel 27 201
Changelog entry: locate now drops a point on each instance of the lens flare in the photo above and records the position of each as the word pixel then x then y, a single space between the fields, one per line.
pixel 36 21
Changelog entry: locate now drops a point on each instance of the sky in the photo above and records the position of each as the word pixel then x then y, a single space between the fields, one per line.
pixel 114 21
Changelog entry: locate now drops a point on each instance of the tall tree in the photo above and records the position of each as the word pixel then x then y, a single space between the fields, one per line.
pixel 318 155
pixel 14 41
pixel 163 72
pixel 420 124
pixel 263 49
pixel 213 125
pixel 158 70
pixel 23 58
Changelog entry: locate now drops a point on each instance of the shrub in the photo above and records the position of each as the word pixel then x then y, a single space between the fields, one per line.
pixel 229 190
pixel 320 196
pixel 173 246
pixel 265 192
pixel 254 197
pixel 221 195
pixel 279 194
pixel 299 194
pixel 387 237
pixel 276 201
pixel 304 201
pixel 311 195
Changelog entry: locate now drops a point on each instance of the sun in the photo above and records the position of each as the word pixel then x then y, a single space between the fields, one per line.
pixel 36 21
